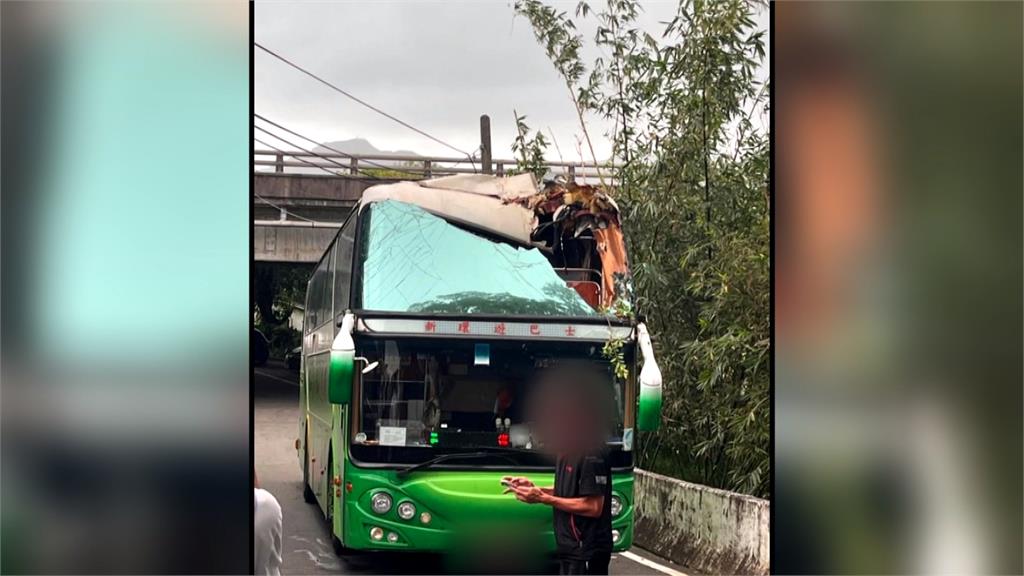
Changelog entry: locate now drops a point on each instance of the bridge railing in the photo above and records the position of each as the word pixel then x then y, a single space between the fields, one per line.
pixel 411 167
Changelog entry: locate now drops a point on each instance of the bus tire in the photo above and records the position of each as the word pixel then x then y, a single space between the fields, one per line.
pixel 307 492
pixel 342 551
pixel 339 548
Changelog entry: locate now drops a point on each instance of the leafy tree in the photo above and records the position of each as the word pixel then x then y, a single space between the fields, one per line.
pixel 529 151
pixel 276 287
pixel 693 187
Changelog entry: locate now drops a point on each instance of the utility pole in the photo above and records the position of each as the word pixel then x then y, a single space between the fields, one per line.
pixel 485 144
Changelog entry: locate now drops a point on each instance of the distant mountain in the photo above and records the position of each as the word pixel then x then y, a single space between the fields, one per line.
pixel 355 146
pixel 360 146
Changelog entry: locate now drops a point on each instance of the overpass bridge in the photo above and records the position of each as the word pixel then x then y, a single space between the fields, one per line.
pixel 295 216
pixel 301 198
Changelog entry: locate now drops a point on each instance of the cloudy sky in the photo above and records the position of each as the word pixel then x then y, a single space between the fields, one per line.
pixel 437 65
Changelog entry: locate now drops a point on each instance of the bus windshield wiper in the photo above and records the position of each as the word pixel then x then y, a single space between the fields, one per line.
pixel 512 449
pixel 460 455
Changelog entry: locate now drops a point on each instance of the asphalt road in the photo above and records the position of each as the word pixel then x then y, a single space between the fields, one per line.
pixel 307 547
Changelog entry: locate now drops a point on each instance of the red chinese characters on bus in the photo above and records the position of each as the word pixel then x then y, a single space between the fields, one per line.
pixel 499 328
pixel 535 329
pixel 464 327
pixel 570 331
pixel 430 326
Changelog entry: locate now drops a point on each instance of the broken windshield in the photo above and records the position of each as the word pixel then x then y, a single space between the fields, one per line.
pixel 414 261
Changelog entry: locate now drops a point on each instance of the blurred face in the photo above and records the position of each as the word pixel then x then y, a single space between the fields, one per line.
pixel 570 411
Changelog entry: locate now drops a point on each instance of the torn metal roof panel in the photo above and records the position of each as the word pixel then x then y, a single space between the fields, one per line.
pixel 475 200
pixel 504 187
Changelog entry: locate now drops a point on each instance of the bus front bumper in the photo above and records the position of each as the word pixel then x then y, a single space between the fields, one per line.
pixel 367 531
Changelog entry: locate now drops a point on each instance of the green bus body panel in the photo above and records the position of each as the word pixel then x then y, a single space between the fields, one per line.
pixel 339 455
pixel 465 507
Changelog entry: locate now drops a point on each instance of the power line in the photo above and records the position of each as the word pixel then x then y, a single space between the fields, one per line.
pixel 283 209
pixel 328 158
pixel 301 149
pixel 364 103
pixel 307 151
pixel 292 154
pixel 335 150
pixel 279 207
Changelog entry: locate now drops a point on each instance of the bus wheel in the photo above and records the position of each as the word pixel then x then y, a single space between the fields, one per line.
pixel 307 492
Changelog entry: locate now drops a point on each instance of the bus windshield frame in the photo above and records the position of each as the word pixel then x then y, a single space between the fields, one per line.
pixel 456 398
pixel 519 272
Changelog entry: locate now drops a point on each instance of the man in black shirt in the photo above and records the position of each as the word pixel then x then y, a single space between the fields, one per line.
pixel 581 499
pixel 571 410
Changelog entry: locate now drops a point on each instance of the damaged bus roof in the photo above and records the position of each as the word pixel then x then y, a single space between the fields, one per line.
pixel 477 200
pixel 577 227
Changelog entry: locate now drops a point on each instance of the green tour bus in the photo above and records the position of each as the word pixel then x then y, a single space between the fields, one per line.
pixel 425 319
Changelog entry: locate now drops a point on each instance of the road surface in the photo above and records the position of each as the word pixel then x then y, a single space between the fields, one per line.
pixel 307 547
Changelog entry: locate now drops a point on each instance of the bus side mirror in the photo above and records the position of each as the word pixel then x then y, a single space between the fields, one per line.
pixel 339 376
pixel 649 411
pixel 342 366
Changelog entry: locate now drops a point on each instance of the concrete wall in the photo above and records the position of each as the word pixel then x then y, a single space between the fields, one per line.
pixel 278 244
pixel 709 530
pixel 312 187
pixel 322 198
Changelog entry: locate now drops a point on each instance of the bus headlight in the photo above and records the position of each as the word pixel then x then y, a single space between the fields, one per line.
pixel 376 533
pixel 616 535
pixel 616 506
pixel 406 510
pixel 381 502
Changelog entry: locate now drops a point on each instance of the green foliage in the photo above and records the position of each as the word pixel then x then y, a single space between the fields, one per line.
pixel 693 188
pixel 612 351
pixel 397 173
pixel 282 339
pixel 276 288
pixel 529 152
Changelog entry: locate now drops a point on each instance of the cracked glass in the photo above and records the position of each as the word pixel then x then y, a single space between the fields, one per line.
pixel 414 261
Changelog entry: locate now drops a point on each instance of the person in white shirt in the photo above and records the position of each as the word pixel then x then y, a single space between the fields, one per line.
pixel 267 520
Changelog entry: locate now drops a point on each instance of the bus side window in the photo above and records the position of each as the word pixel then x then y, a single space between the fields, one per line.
pixel 313 301
pixel 343 255
pixel 327 303
pixel 307 311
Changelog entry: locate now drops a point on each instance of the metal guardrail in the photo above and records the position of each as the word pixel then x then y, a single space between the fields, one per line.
pixel 402 165
pixel 296 224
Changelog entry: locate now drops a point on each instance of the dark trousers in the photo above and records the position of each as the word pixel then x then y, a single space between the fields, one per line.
pixel 598 564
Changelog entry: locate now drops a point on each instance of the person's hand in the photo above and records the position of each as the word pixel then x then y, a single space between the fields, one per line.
pixel 516 482
pixel 529 494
